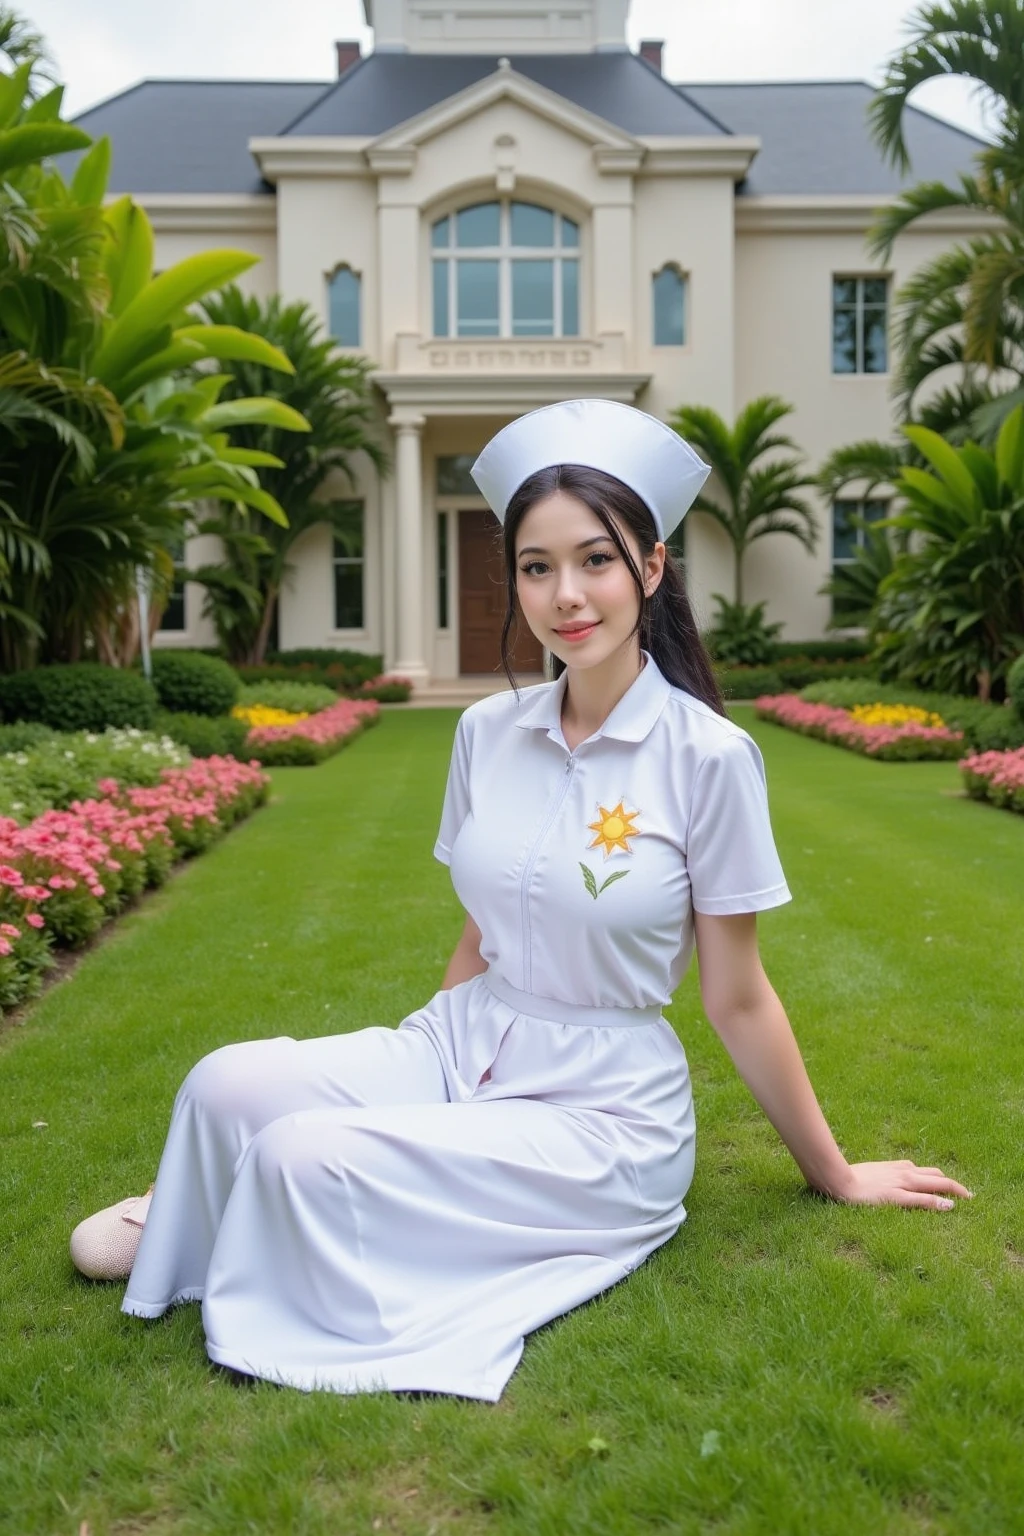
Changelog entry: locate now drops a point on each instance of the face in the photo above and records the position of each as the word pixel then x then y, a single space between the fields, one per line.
pixel 575 589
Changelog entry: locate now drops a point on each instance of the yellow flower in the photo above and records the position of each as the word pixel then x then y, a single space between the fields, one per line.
pixel 613 829
pixel 894 714
pixel 263 714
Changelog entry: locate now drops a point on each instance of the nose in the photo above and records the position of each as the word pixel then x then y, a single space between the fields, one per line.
pixel 567 588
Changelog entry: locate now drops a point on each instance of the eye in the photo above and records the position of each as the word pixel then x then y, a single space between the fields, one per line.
pixel 602 556
pixel 531 566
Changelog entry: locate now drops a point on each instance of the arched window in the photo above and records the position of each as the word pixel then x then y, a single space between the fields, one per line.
pixel 343 295
pixel 506 269
pixel 668 290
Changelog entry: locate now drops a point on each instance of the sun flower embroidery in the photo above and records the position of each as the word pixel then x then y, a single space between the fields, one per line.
pixel 614 829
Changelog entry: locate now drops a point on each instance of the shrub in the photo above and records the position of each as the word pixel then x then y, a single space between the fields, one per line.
pixel 798 672
pixel 748 682
pixel 298 698
pixel 24 734
pixel 822 650
pixel 386 690
pixel 1015 687
pixel 740 635
pixel 204 735
pixel 83 696
pixel 359 665
pixel 190 683
pixel 985 727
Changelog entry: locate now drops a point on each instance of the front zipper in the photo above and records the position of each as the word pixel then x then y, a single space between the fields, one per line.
pixel 528 872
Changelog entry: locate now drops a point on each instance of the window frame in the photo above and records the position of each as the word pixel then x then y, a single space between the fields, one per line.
pixel 559 255
pixel 684 280
pixel 329 280
pixel 859 505
pixel 860 305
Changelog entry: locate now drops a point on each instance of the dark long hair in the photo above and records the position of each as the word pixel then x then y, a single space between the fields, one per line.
pixel 665 623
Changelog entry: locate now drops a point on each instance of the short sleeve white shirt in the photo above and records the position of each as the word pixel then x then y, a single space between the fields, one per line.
pixel 582 869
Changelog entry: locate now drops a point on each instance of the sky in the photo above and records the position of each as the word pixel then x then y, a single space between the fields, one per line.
pixel 104 46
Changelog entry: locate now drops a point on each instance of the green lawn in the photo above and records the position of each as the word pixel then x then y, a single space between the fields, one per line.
pixel 783 1365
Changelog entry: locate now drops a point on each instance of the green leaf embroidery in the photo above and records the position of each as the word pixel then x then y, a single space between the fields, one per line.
pixel 620 874
pixel 589 881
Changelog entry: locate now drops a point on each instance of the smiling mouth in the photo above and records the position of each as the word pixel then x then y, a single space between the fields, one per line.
pixel 578 632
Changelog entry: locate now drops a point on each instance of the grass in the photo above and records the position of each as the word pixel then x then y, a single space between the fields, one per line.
pixel 783 1365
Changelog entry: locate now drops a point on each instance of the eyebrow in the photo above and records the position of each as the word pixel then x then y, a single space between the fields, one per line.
pixel 601 538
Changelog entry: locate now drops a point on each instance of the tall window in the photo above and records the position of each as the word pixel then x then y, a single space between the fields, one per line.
pixel 348 566
pixel 506 269
pixel 668 294
pixel 174 614
pixel 847 536
pixel 343 295
pixel 860 319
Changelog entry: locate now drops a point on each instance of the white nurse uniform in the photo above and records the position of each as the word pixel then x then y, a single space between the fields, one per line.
pixel 397 1208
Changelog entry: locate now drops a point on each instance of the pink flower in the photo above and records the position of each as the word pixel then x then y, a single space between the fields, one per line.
pixel 9 931
pixel 34 920
pixel 9 876
pixel 5 946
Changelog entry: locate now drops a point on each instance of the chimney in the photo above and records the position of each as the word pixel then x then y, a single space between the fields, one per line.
pixel 349 53
pixel 650 50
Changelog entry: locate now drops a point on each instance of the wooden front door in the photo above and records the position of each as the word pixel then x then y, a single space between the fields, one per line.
pixel 482 602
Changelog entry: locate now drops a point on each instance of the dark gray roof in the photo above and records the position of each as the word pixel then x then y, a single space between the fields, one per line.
pixel 386 89
pixel 193 135
pixel 815 137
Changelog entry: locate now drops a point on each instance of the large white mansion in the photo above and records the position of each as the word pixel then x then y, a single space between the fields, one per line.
pixel 502 206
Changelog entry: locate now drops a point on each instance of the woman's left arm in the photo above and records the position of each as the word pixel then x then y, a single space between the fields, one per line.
pixel 752 1025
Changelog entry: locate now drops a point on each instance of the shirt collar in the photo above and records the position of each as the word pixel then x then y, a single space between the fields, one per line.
pixel 631 720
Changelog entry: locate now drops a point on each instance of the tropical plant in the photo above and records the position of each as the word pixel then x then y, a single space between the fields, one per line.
pixel 21 44
pixel 950 614
pixel 740 636
pixel 757 499
pixel 108 435
pixel 964 308
pixel 332 392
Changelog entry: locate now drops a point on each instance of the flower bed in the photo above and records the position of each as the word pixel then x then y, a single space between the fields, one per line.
pixel 61 767
pixel 310 741
pixel 908 740
pixel 69 871
pixel 996 776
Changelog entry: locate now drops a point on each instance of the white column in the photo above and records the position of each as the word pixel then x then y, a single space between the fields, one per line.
pixel 408 554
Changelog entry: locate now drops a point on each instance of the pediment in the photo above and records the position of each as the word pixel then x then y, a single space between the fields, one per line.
pixel 505 84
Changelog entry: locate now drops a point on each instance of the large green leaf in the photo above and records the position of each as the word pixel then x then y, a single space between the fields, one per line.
pixel 179 355
pixel 35 141
pixel 129 255
pixel 254 412
pixel 13 90
pixel 254 458
pixel 47 108
pixel 228 343
pixel 89 183
pixel 1010 450
pixel 913 480
pixel 162 301
pixel 947 463
pixel 253 497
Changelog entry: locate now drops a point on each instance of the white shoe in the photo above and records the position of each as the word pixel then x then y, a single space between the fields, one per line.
pixel 104 1246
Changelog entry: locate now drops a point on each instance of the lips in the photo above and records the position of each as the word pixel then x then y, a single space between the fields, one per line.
pixel 579 633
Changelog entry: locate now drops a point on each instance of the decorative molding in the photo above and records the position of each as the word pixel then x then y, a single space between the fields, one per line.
pixel 475 394
pixel 831 213
pixel 216 212
pixel 391 161
pixel 504 356
pixel 731 155
pixel 326 156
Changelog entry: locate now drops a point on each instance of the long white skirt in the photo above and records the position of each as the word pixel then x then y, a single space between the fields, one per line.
pixel 394 1209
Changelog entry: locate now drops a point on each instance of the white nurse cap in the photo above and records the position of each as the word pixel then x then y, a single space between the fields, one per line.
pixel 636 448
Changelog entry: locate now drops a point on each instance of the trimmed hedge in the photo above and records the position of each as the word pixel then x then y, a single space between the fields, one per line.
pixel 298 698
pixel 189 683
pixel 23 736
pixel 986 727
pixel 822 650
pixel 205 735
pixel 786 676
pixel 81 696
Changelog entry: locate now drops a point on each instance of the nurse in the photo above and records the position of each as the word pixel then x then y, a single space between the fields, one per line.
pixel 397 1208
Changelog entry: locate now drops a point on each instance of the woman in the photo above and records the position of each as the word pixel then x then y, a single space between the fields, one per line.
pixel 397 1208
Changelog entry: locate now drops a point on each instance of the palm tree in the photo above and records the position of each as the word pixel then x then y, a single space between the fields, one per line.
pixel 757 498
pixel 21 44
pixel 332 391
pixel 965 307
